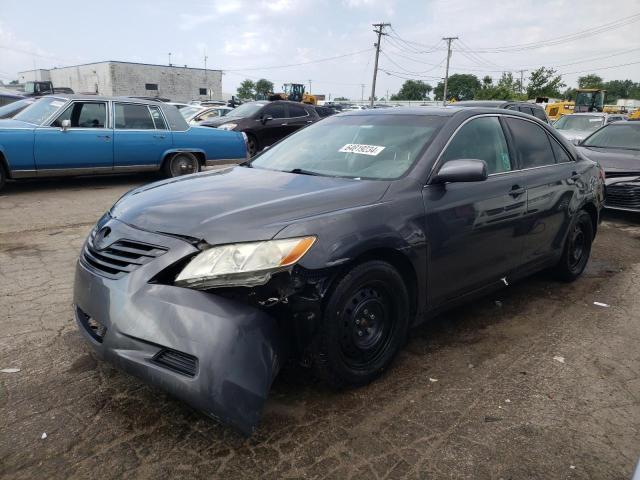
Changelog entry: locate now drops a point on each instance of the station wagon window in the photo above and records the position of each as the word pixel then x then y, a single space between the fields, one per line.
pixel 133 117
pixel 275 111
pixel 151 86
pixel 158 120
pixel 483 139
pixel 531 143
pixel 203 91
pixel 296 111
pixel 84 115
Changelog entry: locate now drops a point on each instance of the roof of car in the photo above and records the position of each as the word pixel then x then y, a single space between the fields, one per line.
pixel 592 114
pixel 104 98
pixel 427 110
pixel 494 103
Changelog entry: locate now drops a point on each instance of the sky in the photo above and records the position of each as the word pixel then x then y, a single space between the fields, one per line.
pixel 271 38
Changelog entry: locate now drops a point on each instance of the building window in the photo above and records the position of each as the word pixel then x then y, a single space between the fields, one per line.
pixel 203 91
pixel 151 86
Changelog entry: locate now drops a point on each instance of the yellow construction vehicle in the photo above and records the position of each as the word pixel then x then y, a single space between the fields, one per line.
pixel 635 115
pixel 294 92
pixel 587 100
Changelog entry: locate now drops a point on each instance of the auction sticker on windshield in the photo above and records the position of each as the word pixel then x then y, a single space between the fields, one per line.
pixel 362 149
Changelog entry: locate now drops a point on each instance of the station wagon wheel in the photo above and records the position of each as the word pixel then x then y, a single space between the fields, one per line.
pixel 182 163
pixel 577 247
pixel 364 326
pixel 252 145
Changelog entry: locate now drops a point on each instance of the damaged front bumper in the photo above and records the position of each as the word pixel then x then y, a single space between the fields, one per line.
pixel 217 354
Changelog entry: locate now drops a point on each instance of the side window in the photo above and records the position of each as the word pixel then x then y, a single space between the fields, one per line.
pixel 526 109
pixel 483 139
pixel 84 115
pixel 512 107
pixel 539 114
pixel 275 111
pixel 531 142
pixel 158 120
pixel 561 155
pixel 296 111
pixel 133 117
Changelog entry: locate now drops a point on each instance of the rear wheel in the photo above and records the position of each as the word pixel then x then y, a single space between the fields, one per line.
pixel 364 326
pixel 3 176
pixel 577 247
pixel 181 163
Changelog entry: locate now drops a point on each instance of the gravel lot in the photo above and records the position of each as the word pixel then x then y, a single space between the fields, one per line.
pixel 476 394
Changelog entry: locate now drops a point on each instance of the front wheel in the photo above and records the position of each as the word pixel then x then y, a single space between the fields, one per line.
pixel 3 177
pixel 252 145
pixel 577 247
pixel 182 163
pixel 365 324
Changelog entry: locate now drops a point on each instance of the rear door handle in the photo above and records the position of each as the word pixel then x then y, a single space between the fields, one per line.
pixel 106 137
pixel 309 121
pixel 283 124
pixel 516 191
pixel 159 136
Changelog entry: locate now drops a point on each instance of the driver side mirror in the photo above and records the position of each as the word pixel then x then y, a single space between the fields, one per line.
pixel 266 118
pixel 65 125
pixel 465 170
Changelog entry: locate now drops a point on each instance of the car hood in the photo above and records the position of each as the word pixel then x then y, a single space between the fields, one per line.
pixel 574 134
pixel 217 121
pixel 614 160
pixel 240 204
pixel 9 123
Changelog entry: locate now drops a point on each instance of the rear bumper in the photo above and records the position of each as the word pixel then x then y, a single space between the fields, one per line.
pixel 231 352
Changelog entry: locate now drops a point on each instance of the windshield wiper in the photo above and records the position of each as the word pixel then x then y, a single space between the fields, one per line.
pixel 302 171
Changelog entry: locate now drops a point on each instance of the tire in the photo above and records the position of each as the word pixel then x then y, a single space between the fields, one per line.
pixel 252 145
pixel 181 163
pixel 3 176
pixel 353 348
pixel 577 248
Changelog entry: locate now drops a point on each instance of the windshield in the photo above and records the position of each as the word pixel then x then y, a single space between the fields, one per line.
pixel 40 110
pixel 587 123
pixel 359 146
pixel 616 135
pixel 188 112
pixel 13 108
pixel 245 110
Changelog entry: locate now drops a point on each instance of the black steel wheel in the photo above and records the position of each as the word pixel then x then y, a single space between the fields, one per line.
pixel 577 247
pixel 182 163
pixel 252 145
pixel 365 324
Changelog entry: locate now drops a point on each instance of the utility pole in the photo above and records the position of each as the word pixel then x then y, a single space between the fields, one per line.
pixel 362 93
pixel 380 31
pixel 309 86
pixel 169 58
pixel 522 81
pixel 446 75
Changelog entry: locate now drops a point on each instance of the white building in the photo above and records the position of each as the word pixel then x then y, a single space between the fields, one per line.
pixel 180 84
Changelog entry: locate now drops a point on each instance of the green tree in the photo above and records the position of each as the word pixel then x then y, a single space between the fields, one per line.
pixel 462 86
pixel 507 88
pixel 590 81
pixel 246 90
pixel 544 82
pixel 341 99
pixel 263 88
pixel 617 89
pixel 412 90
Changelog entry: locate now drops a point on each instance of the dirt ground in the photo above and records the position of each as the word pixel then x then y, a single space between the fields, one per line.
pixel 536 382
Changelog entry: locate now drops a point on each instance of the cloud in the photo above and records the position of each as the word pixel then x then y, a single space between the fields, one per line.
pixel 190 21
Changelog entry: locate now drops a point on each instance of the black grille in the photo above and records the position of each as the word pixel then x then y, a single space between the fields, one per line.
pixel 177 361
pixel 119 258
pixel 623 196
pixel 616 174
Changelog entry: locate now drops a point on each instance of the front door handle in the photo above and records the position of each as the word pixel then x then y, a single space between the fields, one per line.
pixel 284 124
pixel 309 121
pixel 106 137
pixel 159 136
pixel 516 191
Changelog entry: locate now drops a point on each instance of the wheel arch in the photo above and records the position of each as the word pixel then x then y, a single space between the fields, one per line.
pixel 4 164
pixel 591 209
pixel 199 154
pixel 400 262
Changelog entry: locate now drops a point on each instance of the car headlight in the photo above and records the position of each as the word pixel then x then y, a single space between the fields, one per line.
pixel 228 126
pixel 242 264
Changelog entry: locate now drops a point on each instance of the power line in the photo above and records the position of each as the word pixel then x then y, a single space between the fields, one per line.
pixel 600 68
pixel 320 60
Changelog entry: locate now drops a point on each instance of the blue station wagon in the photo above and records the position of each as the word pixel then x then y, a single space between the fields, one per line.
pixel 85 135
